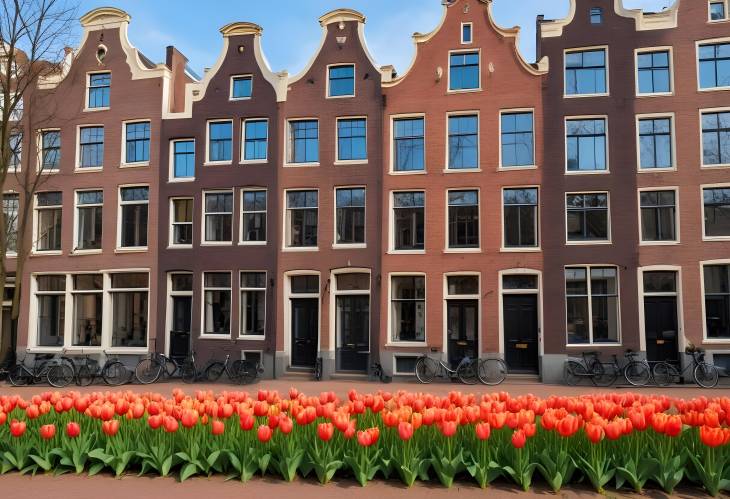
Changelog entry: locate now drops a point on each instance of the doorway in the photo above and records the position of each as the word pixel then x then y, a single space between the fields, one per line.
pixel 352 320
pixel 304 320
pixel 180 319
pixel 520 323
pixel 661 322
pixel 462 324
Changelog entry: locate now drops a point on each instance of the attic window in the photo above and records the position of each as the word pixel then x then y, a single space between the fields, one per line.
pixel 101 54
pixel 717 10
pixel 466 33
pixel 596 15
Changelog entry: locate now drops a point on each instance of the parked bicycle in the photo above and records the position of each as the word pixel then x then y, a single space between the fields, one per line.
pixel 155 366
pixel 636 371
pixel 427 369
pixel 318 369
pixel 237 371
pixel 492 371
pixel 113 372
pixel 56 370
pixel 377 373
pixel 704 374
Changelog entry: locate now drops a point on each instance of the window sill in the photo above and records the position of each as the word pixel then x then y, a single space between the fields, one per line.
pixel 235 99
pixel 408 172
pixel 36 253
pixel 253 243
pixel 656 170
pixel 253 161
pixel 252 337
pixel 463 90
pixel 714 89
pixel 587 243
pixel 216 243
pixel 88 169
pixel 301 165
pixel 592 345
pixel 458 251
pixel 304 249
pixel 348 162
pixel 713 167
pixel 461 170
pixel 217 337
pixel 179 246
pixel 141 249
pixel 96 109
pixel 406 252
pixel 180 180
pixel 349 246
pixel 82 252
pixel 716 341
pixel 583 96
pixel 406 344
pixel 516 168
pixel 45 349
pixel 126 350
pixel 46 171
pixel 658 243
pixel 588 172
pixel 218 163
pixel 530 249
pixel 710 239
pixel 347 96
pixel 657 94
pixel 138 164
pixel 11 255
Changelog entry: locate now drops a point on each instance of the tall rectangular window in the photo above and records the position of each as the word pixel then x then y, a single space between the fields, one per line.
pixel 520 218
pixel 15 144
pixel 654 72
pixel 253 303
pixel 255 140
pixel 591 296
pixel 586 144
pixel 217 303
pixel 658 216
pixel 587 217
pixel 218 216
pixel 408 308
pixel 183 152
pixel 463 219
pixel 220 141
pixel 342 80
pixel 241 87
pixel 714 61
pixel 303 141
pixel 182 222
pixel 716 206
pixel 48 221
pixel 408 220
pixel 134 203
pixel 596 15
pixel 91 142
pixel 302 210
pixel 137 142
pixel 717 301
pixel 254 216
pixel 408 144
pixel 87 295
pixel 464 71
pixel 518 142
pixel 466 33
pixel 11 207
pixel 50 150
pixel 89 222
pixel 716 138
pixel 585 72
pixel 655 143
pixel 130 306
pixel 350 216
pixel 352 139
pixel 51 304
pixel 99 87
pixel 463 142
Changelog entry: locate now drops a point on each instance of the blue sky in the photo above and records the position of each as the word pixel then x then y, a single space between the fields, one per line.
pixel 291 31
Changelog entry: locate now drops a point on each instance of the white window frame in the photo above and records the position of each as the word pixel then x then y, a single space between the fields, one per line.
pixel 645 50
pixel 449 90
pixel 109 290
pixel 204 222
pixel 705 237
pixel 34 308
pixel 673 138
pixel 605 48
pixel 171 166
pixel 591 343
pixel 87 86
pixel 288 144
pixel 120 203
pixel 211 336
pixel 354 80
pixel 677 216
pixel 598 242
pixel 241 290
pixel 400 355
pixel 171 233
pixel 335 244
pixel 123 163
pixel 208 161
pixel 452 114
pixel 242 159
pixel 390 342
pixel 170 295
pixel 538 227
pixel 471 32
pixel 705 339
pixel 242 76
pixel 77 206
pixel 391 223
pixel 12 254
pixel 710 41
pixel 393 119
pixel 447 206
pixel 519 110
pixel 702 112
pixel 36 212
pixel 266 212
pixel 40 151
pixel 726 3
pixel 603 117
pixel 339 161
pixel 285 225
pixel 77 162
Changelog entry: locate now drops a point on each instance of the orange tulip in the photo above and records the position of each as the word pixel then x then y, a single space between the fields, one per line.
pixel 155 421
pixel 448 428
pixel 519 439
pixel 325 431
pixel 170 424
pixel 47 431
pixel 73 429
pixel 264 433
pixel 405 430
pixel 111 427
pixel 594 432
pixel 286 425
pixel 483 431
pixel 218 427
pixel 32 411
pixel 673 426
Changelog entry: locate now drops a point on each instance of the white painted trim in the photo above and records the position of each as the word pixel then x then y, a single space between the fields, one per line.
pixel 208 161
pixel 203 334
pixel 77 163
pixel 589 242
pixel 538 228
pixel 171 161
pixel 479 88
pixel 446 297
pixel 284 221
pixel 521 110
pixel 286 304
pixel 241 289
pixel 705 339
pixel 672 136
pixel 266 212
pixel 287 146
pixel 334 293
pixel 603 117
pixel 645 50
pixel 589 307
pixel 390 342
pixel 391 224
pixel 74 246
pixel 447 207
pixel 335 244
pixel 327 80
pixel 702 112
pixel 120 203
pixel 606 62
pixel 700 43
pixel 242 159
pixel 239 77
pixel 123 163
pixel 447 149
pixel 203 241
pixel 705 237
pixel 339 161
pixel 171 222
pixel 677 217
pixel 392 120
pixel 471 33
pixel 726 5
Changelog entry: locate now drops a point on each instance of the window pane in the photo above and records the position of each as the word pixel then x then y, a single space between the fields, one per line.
pixel 184 158
pixel 341 81
pixel 256 138
pixel 408 215
pixel 462 285
pixel 717 212
pixel 519 282
pixel 51 318
pixel 464 71
pixel 409 144
pixel 135 280
pixel 660 282
pixel 408 308
pixel 129 311
pixel 305 284
pixel 91 140
pixel 241 87
pixel 182 282
pixel 87 321
pixel 351 139
pixel 585 72
pixel 517 139
pixel 353 282
pixel 463 142
pixel 137 142
pixel 220 141
pixel 304 141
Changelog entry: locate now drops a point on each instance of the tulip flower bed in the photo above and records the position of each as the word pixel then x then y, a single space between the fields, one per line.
pixel 610 440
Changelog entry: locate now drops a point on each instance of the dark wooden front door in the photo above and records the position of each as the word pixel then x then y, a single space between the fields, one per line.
pixel 660 326
pixel 462 325
pixel 304 331
pixel 353 332
pixel 520 333
pixel 182 310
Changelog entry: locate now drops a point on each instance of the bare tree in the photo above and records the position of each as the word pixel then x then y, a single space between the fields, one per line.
pixel 33 39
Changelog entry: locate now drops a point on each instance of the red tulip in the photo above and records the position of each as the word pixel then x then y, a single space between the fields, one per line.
pixel 673 426
pixel 73 429
pixel 155 421
pixel 189 418
pixel 325 431
pixel 170 424
pixel 594 432
pixel 17 428
pixel 714 437
pixel 350 430
pixel 111 427
pixel 519 439
pixel 483 430
pixel 405 430
pixel 33 411
pixel 614 430
pixel 448 428
pixel 3 418
pixel 47 431
pixel 218 427
pixel 246 421
pixel 293 393
pixel 264 433
pixel 365 438
pixel 286 425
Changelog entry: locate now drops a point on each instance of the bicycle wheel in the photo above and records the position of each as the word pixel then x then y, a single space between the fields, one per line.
pixel 115 373
pixel 637 373
pixel 574 373
pixel 60 376
pixel 665 374
pixel 246 371
pixel 492 371
pixel 706 375
pixel 85 376
pixel 188 372
pixel 604 375
pixel 426 369
pixel 19 376
pixel 214 371
pixel 467 372
pixel 148 371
